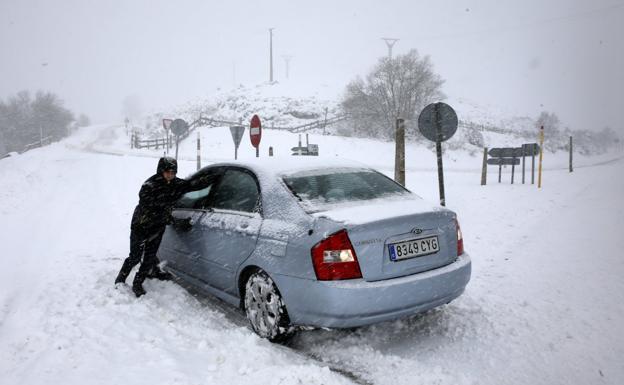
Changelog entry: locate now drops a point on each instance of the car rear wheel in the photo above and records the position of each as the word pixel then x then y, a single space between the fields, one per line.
pixel 265 308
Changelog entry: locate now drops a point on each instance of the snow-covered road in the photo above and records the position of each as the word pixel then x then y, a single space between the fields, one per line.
pixel 545 304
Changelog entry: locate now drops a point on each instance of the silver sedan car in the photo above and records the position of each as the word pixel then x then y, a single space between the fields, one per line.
pixel 314 243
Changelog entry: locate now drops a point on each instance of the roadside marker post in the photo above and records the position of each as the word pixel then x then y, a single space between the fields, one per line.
pixel 571 169
pixel 484 168
pixel 198 151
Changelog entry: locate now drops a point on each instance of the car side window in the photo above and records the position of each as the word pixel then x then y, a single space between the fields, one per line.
pixel 193 199
pixel 203 185
pixel 237 191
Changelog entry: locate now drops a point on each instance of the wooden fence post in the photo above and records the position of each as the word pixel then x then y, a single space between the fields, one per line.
pixel 571 169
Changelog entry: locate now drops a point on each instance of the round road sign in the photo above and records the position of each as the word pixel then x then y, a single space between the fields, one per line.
pixel 179 127
pixel 255 131
pixel 437 114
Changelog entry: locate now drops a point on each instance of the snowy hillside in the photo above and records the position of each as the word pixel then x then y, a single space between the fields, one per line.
pixel 279 104
pixel 288 105
pixel 543 305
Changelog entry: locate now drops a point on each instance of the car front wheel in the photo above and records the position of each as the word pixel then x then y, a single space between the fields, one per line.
pixel 265 309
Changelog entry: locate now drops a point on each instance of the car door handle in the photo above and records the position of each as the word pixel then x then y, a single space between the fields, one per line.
pixel 243 226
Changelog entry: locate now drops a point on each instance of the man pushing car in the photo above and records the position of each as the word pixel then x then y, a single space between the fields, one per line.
pixel 153 213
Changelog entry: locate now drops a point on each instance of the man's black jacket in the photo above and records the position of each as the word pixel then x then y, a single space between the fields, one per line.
pixel 156 199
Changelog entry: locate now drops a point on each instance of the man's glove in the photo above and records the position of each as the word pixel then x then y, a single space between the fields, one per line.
pixel 182 224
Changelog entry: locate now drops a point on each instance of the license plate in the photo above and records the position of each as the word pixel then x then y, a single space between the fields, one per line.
pixel 413 248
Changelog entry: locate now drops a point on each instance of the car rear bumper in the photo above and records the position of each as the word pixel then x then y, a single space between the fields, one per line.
pixel 350 303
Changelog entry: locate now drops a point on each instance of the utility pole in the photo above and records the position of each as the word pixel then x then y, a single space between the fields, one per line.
pixel 287 61
pixel 389 42
pixel 271 55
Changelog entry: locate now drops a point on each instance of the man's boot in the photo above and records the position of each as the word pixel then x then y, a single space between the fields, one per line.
pixel 156 273
pixel 126 268
pixel 137 289
pixel 137 283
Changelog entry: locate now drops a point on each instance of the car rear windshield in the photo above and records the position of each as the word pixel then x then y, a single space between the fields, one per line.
pixel 320 190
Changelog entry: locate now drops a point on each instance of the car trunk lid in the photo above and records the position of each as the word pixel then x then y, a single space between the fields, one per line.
pixel 376 229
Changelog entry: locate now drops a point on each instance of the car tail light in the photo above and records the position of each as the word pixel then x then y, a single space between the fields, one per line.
pixel 334 258
pixel 460 239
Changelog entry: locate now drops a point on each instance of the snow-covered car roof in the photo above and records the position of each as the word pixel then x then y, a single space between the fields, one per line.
pixel 277 166
pixel 277 201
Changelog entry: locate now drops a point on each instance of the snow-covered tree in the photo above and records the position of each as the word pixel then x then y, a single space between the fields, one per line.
pixel 83 121
pixel 551 123
pixel 396 87
pixel 24 120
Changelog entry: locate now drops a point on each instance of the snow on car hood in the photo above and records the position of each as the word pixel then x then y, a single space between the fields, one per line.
pixel 359 212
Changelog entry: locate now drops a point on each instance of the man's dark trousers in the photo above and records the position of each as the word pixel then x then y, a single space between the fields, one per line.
pixel 142 242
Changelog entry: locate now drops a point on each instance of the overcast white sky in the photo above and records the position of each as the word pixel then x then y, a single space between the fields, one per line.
pixel 520 56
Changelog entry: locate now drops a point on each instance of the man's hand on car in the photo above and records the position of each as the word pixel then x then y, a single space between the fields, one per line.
pixel 183 224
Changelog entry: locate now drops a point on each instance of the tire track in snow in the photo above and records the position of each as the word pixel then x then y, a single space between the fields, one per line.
pixel 236 316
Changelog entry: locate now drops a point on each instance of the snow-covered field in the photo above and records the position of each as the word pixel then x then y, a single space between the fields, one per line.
pixel 545 304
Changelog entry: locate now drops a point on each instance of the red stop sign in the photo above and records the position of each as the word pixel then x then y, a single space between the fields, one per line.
pixel 255 131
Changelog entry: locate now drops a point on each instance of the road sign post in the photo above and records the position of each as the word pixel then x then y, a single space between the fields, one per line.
pixel 167 127
pixel 511 156
pixel 541 155
pixel 438 123
pixel 255 133
pixel 533 169
pixel 529 149
pixel 438 119
pixel 178 127
pixel 504 156
pixel 237 135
